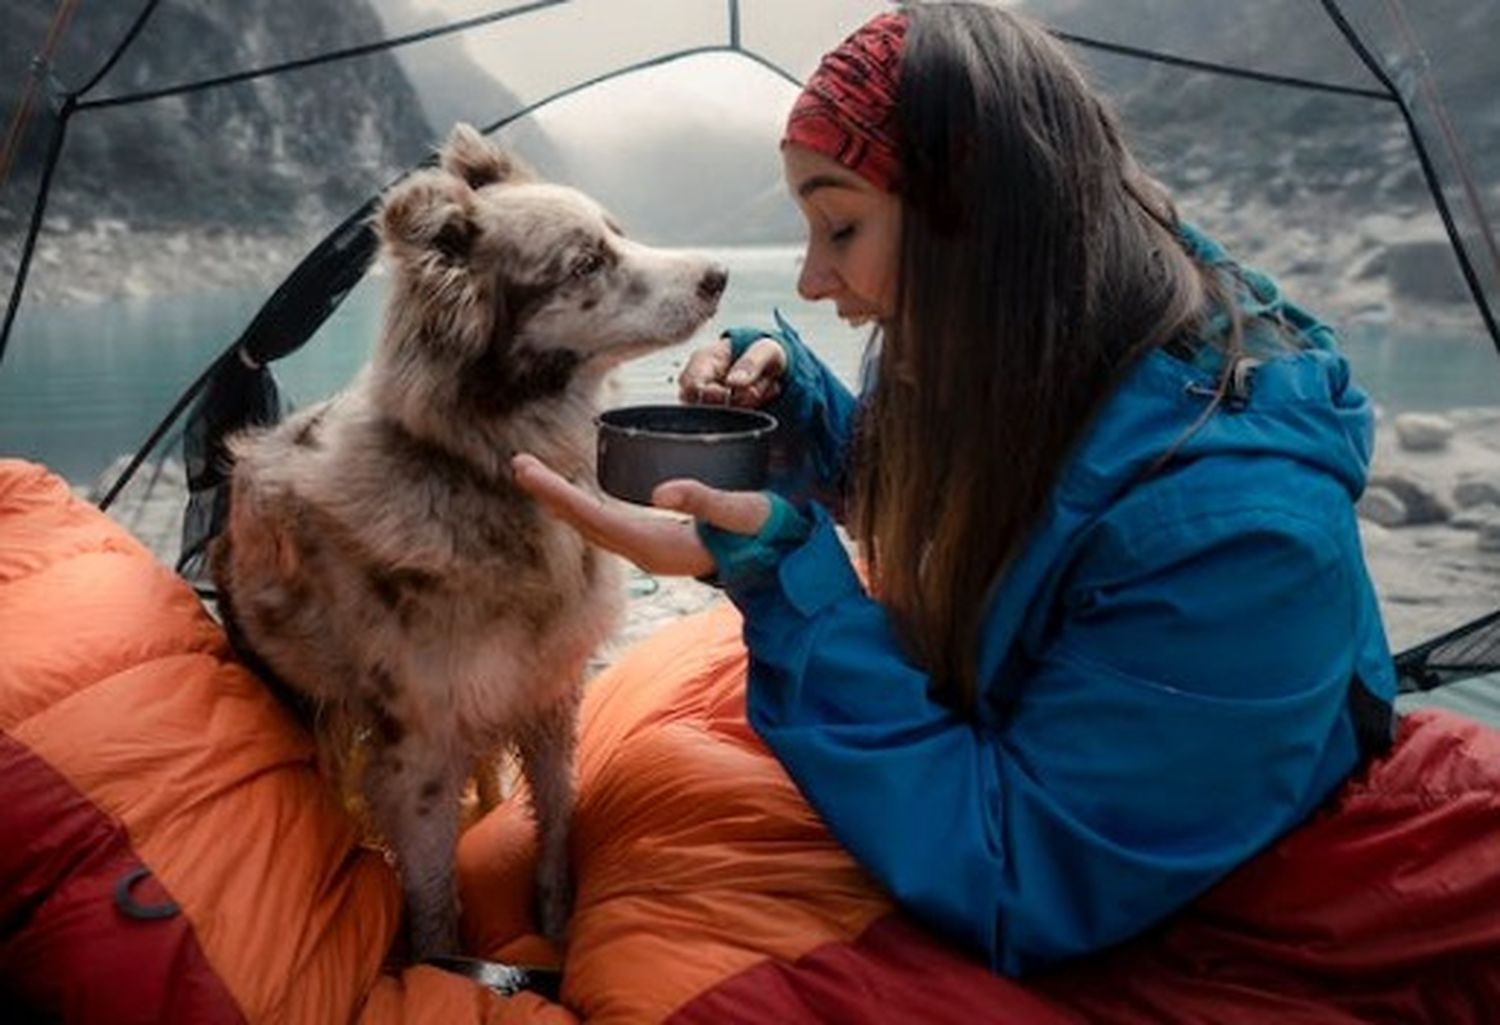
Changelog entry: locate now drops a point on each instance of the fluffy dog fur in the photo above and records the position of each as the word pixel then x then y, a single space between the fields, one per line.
pixel 379 557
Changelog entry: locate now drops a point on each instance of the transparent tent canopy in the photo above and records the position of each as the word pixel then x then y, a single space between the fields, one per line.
pixel 202 151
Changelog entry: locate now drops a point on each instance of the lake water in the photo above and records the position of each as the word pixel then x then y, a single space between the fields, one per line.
pixel 83 384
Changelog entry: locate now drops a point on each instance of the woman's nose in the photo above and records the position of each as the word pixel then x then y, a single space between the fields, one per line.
pixel 815 281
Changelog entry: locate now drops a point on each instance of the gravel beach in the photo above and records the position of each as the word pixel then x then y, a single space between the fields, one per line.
pixel 1430 521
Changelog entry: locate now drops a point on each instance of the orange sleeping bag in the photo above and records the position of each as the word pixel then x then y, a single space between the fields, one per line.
pixel 167 850
pixel 168 853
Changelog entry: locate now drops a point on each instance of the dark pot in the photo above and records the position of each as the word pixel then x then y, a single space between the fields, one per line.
pixel 642 446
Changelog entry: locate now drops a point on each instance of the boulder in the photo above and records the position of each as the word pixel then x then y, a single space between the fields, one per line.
pixel 1421 502
pixel 1475 517
pixel 1382 506
pixel 1470 493
pixel 1488 538
pixel 1423 432
pixel 1425 271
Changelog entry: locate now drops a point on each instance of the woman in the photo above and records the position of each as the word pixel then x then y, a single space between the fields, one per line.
pixel 1119 634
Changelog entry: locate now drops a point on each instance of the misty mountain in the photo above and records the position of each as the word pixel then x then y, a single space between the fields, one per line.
pixel 273 153
pixel 287 153
pixel 1263 153
pixel 1258 140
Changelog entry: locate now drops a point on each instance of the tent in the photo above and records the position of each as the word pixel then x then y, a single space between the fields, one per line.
pixel 144 138
pixel 1346 145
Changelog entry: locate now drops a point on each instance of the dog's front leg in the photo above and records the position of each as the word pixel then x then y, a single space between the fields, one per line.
pixel 412 785
pixel 546 749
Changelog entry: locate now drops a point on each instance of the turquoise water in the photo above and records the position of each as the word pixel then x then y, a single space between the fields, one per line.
pixel 82 384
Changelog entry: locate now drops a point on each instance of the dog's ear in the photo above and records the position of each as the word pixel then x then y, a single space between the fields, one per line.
pixel 472 157
pixel 429 210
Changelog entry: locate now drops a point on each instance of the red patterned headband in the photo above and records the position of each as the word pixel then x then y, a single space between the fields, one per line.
pixel 847 111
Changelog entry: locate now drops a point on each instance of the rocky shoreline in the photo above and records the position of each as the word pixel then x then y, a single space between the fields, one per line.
pixel 111 260
pixel 1430 522
pixel 1371 269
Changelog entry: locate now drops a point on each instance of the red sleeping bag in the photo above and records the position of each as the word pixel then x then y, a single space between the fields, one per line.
pixel 167 853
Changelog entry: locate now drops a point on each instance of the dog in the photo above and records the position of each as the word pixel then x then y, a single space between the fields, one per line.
pixel 378 556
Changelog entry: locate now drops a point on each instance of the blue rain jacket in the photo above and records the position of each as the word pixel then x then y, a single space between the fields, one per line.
pixel 1165 667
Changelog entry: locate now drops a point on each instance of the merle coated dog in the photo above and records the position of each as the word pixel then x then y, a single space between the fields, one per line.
pixel 379 557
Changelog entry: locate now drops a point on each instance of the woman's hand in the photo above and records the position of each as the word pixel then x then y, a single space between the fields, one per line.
pixel 713 376
pixel 657 545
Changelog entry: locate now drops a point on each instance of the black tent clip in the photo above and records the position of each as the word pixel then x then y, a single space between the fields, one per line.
pixel 126 902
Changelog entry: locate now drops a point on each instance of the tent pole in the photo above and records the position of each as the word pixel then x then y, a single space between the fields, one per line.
pixel 54 150
pixel 38 213
pixel 332 56
pixel 1450 136
pixel 293 291
pixel 41 67
pixel 114 58
pixel 1429 171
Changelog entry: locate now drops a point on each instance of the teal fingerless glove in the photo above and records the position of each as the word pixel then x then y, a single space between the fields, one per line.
pixel 816 413
pixel 741 559
pixel 798 364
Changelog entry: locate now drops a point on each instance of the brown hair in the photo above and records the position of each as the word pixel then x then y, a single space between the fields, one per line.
pixel 1038 263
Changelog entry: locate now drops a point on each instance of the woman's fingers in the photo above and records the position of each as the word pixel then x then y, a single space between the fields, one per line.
pixel 668 547
pixel 752 380
pixel 657 545
pixel 755 395
pixel 764 360
pixel 583 510
pixel 586 513
pixel 702 378
pixel 742 512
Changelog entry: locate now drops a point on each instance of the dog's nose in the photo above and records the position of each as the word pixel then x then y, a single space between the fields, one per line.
pixel 711 285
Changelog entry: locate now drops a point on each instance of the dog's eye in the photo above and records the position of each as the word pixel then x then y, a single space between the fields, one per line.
pixel 588 264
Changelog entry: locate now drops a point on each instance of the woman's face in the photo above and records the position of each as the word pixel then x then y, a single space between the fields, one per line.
pixel 853 236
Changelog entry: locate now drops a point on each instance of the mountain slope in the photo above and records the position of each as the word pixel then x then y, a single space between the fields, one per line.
pixel 271 153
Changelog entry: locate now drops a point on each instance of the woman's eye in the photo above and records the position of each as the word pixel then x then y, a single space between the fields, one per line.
pixel 841 235
pixel 589 263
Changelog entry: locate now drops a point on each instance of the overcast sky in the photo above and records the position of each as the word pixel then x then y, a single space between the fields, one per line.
pixel 541 52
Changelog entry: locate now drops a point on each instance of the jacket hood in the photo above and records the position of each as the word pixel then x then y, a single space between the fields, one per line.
pixel 1301 405
pixel 1297 402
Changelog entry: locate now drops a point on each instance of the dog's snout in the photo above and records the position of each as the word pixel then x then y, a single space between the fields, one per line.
pixel 712 284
